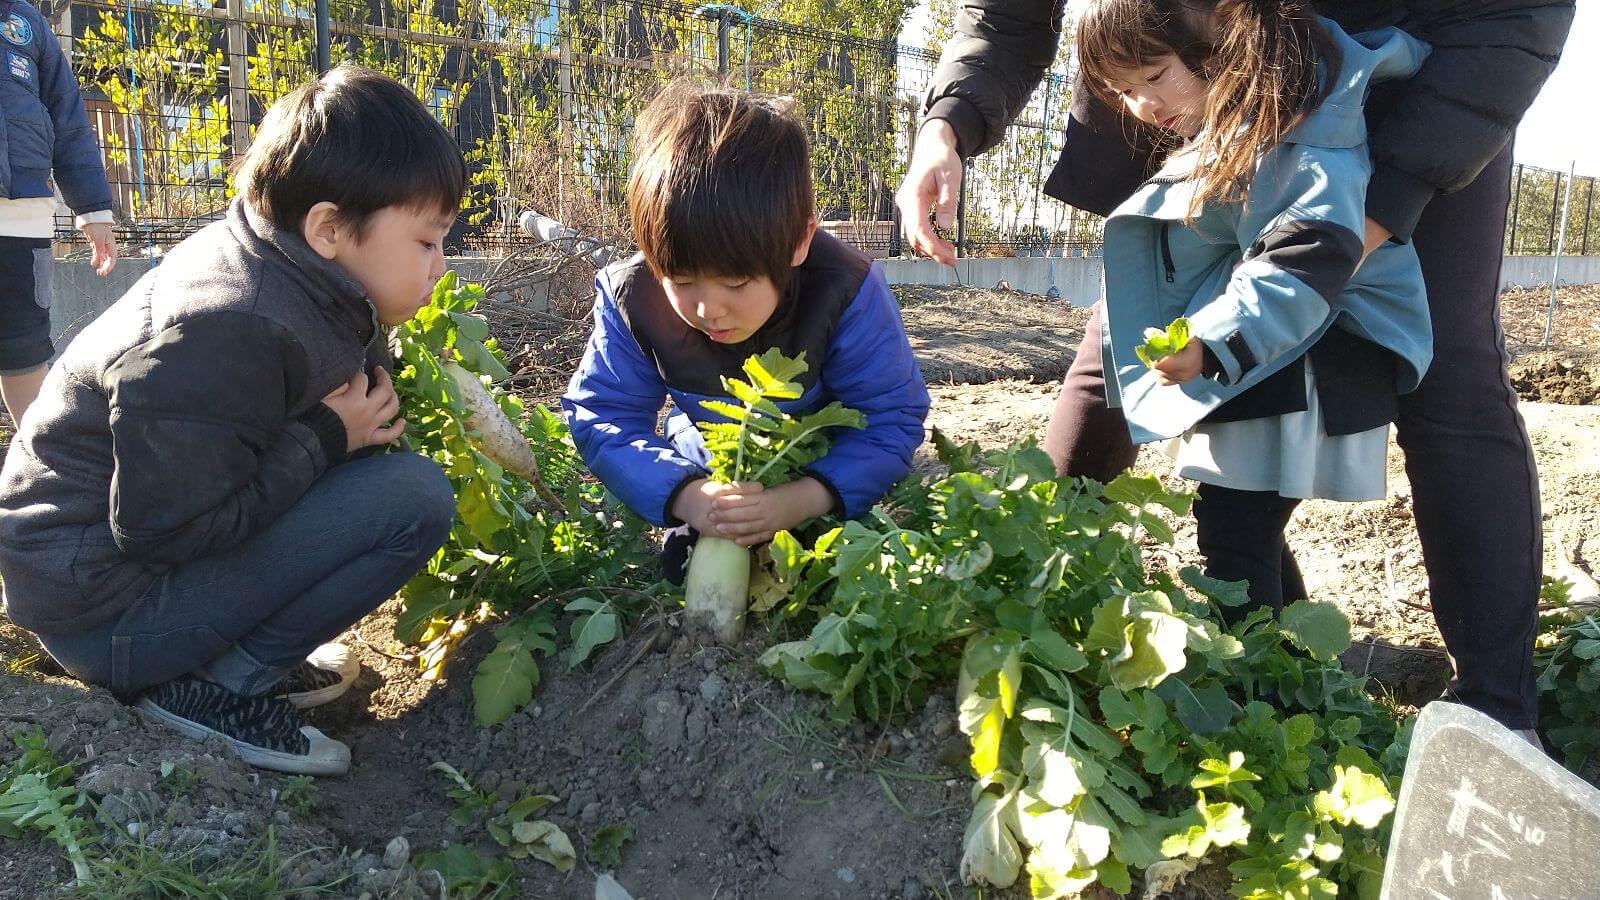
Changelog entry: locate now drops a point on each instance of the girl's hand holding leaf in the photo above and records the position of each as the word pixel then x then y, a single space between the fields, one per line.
pixel 1181 366
pixel 1159 344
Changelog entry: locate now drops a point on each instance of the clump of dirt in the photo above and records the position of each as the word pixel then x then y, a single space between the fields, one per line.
pixel 177 797
pixel 731 784
pixel 1565 376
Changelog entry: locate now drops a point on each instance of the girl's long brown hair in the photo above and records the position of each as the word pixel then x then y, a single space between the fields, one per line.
pixel 1259 58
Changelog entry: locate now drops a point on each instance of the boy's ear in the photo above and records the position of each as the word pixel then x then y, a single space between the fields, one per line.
pixel 803 249
pixel 321 229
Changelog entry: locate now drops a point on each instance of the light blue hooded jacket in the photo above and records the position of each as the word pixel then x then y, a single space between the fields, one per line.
pixel 1262 280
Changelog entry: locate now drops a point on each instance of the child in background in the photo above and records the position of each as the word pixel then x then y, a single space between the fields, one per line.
pixel 731 265
pixel 45 131
pixel 1253 229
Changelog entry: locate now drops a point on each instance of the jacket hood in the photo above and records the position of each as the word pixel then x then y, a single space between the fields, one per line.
pixel 1367 59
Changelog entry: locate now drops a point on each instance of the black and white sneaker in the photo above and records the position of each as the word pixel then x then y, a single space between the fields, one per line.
pixel 267 732
pixel 324 677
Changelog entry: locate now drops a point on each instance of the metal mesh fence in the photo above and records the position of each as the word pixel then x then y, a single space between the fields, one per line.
pixel 541 95
pixel 1533 223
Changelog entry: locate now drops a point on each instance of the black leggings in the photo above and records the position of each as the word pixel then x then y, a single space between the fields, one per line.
pixel 1240 534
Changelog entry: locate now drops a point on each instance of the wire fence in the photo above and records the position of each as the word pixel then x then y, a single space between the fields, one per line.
pixel 542 94
pixel 1533 223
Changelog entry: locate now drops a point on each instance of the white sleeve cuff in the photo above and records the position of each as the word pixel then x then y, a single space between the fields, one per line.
pixel 104 216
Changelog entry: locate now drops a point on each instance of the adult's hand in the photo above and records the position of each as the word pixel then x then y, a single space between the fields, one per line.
pixel 933 180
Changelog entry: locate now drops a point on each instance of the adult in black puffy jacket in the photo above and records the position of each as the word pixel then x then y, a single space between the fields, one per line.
pixel 1441 145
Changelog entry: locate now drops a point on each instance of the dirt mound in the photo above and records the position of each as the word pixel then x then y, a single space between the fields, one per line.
pixel 730 784
pixel 1570 377
pixel 186 799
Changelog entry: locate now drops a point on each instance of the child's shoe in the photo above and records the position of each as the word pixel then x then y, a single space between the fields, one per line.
pixel 267 732
pixel 325 675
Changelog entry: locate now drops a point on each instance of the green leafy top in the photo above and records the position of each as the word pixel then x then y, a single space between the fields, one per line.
pixel 507 555
pixel 760 442
pixel 1159 345
pixel 1115 717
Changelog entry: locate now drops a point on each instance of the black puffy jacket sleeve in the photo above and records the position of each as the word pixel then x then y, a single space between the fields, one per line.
pixel 1000 50
pixel 1443 125
pixel 206 452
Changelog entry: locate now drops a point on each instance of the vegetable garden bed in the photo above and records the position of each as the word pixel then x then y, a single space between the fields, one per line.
pixel 690 771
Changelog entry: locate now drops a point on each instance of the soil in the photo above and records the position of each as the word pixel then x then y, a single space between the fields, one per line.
pixel 976 335
pixel 732 785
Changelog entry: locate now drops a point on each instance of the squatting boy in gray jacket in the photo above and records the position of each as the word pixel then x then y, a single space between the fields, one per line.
pixel 182 514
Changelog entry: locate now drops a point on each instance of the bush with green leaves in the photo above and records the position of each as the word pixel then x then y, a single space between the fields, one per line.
pixel 516 555
pixel 1116 721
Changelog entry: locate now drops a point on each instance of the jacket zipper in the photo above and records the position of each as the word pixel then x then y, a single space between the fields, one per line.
pixel 1166 252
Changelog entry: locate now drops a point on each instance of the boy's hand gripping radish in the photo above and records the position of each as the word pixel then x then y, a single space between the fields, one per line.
pixel 759 443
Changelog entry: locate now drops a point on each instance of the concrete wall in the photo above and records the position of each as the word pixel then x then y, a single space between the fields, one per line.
pixel 1528 271
pixel 80 295
pixel 1077 279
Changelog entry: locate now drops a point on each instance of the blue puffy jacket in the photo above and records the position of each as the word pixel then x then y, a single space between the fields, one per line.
pixel 43 126
pixel 1261 281
pixel 838 309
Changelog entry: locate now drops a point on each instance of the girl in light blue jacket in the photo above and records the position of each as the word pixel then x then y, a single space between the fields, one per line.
pixel 1305 328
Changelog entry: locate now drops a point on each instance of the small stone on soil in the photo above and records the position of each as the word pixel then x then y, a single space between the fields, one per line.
pixel 397 854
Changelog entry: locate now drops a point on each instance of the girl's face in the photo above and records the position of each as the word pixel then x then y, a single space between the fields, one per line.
pixel 1164 93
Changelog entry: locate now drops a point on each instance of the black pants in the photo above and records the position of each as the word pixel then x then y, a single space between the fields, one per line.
pixel 1240 534
pixel 1475 491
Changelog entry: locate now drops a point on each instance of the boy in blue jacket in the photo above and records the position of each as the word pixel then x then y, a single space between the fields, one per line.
pixel 43 130
pixel 731 265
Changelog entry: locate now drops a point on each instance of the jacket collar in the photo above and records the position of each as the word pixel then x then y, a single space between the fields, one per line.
pixel 339 294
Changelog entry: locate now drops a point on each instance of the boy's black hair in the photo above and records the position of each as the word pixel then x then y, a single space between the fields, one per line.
pixel 358 139
pixel 721 183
